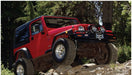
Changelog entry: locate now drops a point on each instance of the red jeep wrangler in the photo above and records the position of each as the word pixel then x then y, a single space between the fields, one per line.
pixel 65 38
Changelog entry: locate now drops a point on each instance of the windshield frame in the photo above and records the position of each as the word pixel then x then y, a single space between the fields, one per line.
pixel 57 17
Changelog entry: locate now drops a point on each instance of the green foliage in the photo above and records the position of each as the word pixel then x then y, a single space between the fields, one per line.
pixel 5 71
pixel 65 8
pixel 29 12
pixel 45 7
pixel 84 10
pixel 10 10
pixel 113 65
pixel 122 22
pixel 84 60
pixel 124 53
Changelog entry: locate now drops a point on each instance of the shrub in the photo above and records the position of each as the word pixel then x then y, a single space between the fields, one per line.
pixel 124 53
pixel 5 71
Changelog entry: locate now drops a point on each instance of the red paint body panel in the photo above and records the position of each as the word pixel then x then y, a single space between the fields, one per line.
pixel 41 43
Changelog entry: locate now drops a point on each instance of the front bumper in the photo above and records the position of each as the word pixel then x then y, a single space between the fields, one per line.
pixel 92 36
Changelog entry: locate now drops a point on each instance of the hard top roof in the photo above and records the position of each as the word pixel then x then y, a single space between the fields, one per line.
pixel 27 23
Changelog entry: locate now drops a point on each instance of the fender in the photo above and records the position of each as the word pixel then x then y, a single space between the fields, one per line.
pixel 68 32
pixel 14 64
pixel 26 52
pixel 54 41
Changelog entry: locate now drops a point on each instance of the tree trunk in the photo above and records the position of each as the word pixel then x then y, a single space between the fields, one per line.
pixel 107 14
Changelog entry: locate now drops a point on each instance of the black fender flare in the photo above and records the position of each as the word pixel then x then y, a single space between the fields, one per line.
pixel 68 32
pixel 26 52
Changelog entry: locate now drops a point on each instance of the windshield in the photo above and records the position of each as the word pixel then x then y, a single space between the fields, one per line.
pixel 59 22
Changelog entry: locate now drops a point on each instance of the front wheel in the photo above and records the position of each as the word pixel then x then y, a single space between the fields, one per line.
pixel 64 51
pixel 23 67
pixel 107 53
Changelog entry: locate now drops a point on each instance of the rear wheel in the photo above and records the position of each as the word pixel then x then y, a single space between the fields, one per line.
pixel 23 67
pixel 64 51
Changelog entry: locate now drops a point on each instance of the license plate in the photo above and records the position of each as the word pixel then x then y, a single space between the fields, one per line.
pixel 86 34
pixel 101 36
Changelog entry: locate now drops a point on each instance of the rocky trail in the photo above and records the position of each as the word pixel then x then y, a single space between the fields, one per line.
pixel 92 69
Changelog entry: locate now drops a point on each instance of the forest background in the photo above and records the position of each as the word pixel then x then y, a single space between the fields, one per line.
pixel 16 13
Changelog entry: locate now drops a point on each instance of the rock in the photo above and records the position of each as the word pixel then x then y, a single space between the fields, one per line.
pixel 90 64
pixel 41 73
pixel 62 69
pixel 51 70
pixel 92 69
pixel 55 73
pixel 70 72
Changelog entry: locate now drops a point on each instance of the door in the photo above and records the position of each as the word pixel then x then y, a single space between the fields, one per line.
pixel 37 39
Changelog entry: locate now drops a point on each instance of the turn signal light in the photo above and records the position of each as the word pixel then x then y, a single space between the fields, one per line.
pixel 79 35
pixel 114 37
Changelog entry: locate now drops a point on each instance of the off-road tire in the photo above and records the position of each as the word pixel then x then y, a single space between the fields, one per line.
pixel 70 53
pixel 27 65
pixel 77 61
pixel 21 54
pixel 111 54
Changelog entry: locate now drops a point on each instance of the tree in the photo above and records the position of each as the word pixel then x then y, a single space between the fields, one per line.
pixel 83 10
pixel 29 12
pixel 85 13
pixel 107 14
pixel 9 12
pixel 122 22
pixel 45 7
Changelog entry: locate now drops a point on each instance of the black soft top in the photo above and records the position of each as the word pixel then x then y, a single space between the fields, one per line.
pixel 26 24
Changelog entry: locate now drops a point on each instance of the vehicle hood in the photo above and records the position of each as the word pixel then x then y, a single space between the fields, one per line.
pixel 62 29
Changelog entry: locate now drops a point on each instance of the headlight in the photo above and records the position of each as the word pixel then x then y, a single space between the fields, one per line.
pixel 81 28
pixel 102 29
pixel 94 28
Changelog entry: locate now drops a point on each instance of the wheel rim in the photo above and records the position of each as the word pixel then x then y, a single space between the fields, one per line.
pixel 20 70
pixel 60 51
pixel 103 55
